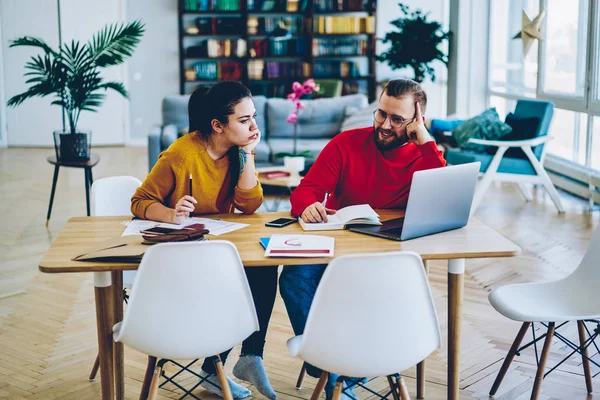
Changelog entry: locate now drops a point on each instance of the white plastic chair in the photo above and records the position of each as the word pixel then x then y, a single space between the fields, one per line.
pixel 175 282
pixel 112 197
pixel 573 298
pixel 372 315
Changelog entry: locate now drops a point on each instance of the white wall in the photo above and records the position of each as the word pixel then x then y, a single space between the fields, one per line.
pixel 32 123
pixel 388 10
pixel 154 67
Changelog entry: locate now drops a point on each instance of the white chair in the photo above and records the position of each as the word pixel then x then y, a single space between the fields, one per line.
pixel 573 298
pixel 372 315
pixel 167 317
pixel 112 197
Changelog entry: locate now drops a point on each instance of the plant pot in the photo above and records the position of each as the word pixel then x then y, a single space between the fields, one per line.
pixel 295 164
pixel 72 146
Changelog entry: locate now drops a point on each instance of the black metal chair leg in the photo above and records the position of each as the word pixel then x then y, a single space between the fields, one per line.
pixel 54 180
pixel 87 174
pixel 91 177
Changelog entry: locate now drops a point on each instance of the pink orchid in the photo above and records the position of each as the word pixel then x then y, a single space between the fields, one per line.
pixel 297 91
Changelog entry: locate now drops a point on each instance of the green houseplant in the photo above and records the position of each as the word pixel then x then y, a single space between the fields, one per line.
pixel 72 75
pixel 415 44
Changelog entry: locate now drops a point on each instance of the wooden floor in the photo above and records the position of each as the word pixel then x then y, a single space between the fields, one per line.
pixel 47 322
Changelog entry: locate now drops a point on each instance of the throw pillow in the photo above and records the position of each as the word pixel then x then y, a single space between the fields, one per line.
pixel 358 118
pixel 486 125
pixel 522 129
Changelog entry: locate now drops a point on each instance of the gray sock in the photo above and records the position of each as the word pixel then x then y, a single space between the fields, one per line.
pixel 250 369
pixel 237 391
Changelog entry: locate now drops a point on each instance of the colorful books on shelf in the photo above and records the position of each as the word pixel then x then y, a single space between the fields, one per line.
pixel 343 25
pixel 339 47
pixel 213 70
pixel 211 5
pixel 343 69
pixel 359 214
pixel 298 246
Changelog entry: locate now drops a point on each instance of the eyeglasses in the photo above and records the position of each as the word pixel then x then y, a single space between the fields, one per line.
pixel 395 121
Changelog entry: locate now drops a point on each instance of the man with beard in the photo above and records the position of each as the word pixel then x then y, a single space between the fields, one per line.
pixel 372 165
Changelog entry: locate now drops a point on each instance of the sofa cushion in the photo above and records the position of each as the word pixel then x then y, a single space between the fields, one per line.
pixel 522 129
pixel 287 146
pixel 358 118
pixel 321 118
pixel 175 111
pixel 260 103
pixel 263 152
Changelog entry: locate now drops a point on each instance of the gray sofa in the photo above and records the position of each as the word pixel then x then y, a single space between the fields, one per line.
pixel 319 121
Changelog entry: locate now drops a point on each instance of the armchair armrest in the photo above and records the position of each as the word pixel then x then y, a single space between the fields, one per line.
pixel 512 143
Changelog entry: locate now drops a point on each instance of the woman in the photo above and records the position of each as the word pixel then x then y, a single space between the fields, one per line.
pixel 219 154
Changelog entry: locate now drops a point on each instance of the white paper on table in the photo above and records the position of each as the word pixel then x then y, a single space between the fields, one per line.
pixel 215 227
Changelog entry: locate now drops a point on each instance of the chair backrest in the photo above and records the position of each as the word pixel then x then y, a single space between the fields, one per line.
pixel 588 271
pixel 536 109
pixel 112 197
pixel 189 300
pixel 330 87
pixel 372 315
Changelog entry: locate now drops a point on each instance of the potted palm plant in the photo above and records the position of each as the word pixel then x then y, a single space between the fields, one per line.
pixel 72 75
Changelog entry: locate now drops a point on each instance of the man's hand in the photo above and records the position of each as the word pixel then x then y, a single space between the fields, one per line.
pixel 316 212
pixel 416 131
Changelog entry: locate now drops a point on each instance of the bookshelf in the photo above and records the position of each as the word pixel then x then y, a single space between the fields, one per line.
pixel 232 40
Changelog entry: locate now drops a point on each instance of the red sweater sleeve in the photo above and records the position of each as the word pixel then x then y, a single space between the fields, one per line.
pixel 322 177
pixel 432 157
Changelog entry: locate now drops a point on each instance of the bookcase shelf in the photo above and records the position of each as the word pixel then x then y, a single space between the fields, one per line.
pixel 236 43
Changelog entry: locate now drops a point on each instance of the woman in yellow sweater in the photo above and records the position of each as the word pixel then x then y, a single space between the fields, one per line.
pixel 218 154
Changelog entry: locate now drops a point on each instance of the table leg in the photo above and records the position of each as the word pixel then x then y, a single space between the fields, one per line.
pixel 456 271
pixel 86 173
pixel 119 359
pixel 54 180
pixel 104 322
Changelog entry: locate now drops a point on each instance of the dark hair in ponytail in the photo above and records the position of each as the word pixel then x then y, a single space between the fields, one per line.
pixel 217 102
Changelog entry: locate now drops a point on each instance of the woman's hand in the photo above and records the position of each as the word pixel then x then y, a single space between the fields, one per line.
pixel 252 145
pixel 183 209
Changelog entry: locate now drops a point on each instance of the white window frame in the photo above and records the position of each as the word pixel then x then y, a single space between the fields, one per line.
pixel 589 102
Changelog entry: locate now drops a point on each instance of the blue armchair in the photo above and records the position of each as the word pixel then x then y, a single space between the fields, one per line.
pixel 516 158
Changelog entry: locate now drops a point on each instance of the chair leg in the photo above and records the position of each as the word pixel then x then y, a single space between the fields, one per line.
pixel 95 368
pixel 539 376
pixel 337 392
pixel 54 180
pixel 86 173
pixel 223 379
pixel 393 388
pixel 525 192
pixel 509 357
pixel 301 377
pixel 320 386
pixel 421 380
pixel 403 389
pixel 585 361
pixel 148 377
pixel 154 385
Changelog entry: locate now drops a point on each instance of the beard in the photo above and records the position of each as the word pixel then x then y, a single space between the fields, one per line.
pixel 388 143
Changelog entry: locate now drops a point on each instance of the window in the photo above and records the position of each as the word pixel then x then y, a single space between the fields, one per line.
pixel 565 69
pixel 510 72
pixel 564 48
pixel 595 157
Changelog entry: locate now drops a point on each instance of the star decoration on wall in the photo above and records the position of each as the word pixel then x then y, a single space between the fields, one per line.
pixel 530 30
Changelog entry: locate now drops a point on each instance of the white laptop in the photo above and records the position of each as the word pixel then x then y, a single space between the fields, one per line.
pixel 439 200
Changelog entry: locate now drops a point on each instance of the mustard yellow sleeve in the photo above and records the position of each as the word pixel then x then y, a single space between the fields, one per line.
pixel 158 185
pixel 248 200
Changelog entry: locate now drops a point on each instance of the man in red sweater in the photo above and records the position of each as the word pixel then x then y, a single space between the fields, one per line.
pixel 372 165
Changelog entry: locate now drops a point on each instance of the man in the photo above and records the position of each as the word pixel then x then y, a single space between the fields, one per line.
pixel 372 165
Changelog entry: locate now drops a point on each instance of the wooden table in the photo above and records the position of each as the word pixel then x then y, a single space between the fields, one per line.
pixel 473 241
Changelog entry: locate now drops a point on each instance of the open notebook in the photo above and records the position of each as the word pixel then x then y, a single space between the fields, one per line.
pixel 360 214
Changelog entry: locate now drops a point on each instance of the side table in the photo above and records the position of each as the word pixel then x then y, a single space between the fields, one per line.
pixel 288 182
pixel 86 165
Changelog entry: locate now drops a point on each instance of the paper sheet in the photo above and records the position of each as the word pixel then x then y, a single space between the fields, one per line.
pixel 215 227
